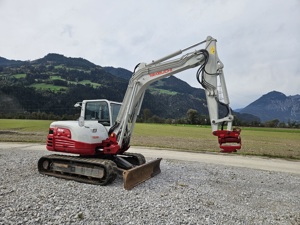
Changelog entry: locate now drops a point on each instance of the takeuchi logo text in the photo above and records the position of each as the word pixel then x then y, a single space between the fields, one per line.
pixel 160 72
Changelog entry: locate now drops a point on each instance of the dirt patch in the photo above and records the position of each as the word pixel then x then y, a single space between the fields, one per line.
pixel 189 144
pixel 16 136
pixel 281 149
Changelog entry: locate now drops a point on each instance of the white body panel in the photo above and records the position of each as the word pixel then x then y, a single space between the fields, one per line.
pixel 92 132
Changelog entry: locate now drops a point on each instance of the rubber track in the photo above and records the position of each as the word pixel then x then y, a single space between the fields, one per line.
pixel 109 166
pixel 139 157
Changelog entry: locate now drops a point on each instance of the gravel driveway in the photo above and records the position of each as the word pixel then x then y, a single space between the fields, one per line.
pixel 184 193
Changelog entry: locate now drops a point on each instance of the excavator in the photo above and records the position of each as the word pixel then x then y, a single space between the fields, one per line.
pixel 97 143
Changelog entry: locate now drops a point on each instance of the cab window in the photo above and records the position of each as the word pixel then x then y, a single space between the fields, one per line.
pixel 97 111
pixel 115 108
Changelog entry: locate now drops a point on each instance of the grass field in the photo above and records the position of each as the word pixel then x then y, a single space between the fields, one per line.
pixel 270 142
pixel 45 86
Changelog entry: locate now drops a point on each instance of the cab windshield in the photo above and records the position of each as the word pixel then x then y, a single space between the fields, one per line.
pixel 97 111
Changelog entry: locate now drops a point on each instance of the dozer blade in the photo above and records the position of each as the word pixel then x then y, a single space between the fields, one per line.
pixel 139 174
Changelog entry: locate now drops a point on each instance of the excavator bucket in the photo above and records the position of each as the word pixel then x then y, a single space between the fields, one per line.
pixel 139 174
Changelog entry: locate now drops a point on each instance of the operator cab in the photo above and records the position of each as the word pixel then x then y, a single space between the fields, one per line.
pixel 103 111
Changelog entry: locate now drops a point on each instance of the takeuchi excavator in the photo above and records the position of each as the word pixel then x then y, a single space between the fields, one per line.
pixel 97 143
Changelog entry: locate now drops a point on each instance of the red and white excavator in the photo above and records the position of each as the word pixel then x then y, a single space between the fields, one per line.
pixel 101 136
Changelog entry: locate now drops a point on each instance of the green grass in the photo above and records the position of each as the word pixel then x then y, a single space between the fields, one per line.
pixel 269 142
pixel 56 78
pixel 269 129
pixel 70 68
pixel 177 131
pixel 161 91
pixel 59 66
pixel 45 86
pixel 51 87
pixel 18 76
pixel 84 82
pixel 24 125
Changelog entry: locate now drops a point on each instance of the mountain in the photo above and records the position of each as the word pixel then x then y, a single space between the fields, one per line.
pixel 53 84
pixel 7 62
pixel 119 72
pixel 57 59
pixel 275 105
pixel 238 110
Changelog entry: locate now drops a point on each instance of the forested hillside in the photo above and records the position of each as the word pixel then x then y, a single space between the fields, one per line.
pixel 49 87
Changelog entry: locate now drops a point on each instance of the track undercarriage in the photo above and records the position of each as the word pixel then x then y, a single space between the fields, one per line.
pixel 100 171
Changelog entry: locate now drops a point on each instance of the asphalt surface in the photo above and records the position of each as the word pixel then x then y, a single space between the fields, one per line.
pixel 262 163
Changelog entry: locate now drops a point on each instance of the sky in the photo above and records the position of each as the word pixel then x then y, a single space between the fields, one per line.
pixel 258 41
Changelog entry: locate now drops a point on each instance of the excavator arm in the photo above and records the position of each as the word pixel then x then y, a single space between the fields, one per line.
pixel 210 76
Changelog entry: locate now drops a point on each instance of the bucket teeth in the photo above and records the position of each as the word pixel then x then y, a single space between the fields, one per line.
pixel 139 174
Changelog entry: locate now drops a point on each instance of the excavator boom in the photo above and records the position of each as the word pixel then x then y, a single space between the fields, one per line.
pixel 210 76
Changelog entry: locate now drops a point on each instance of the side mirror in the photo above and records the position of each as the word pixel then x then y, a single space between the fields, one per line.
pixel 78 104
pixel 81 121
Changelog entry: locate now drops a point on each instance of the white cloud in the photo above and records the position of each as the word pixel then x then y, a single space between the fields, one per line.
pixel 258 41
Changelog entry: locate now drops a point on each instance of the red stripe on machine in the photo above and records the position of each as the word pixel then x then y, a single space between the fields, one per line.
pixel 160 72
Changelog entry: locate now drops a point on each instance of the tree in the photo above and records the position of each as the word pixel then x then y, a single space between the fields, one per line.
pixel 147 114
pixel 192 116
pixel 156 119
pixel 272 123
pixel 292 124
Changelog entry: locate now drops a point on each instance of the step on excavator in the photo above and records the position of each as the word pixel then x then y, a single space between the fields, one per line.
pixel 96 144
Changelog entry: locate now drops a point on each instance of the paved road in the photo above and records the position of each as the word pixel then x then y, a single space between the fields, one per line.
pixel 222 159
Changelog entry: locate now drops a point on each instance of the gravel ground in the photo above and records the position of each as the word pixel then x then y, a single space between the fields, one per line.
pixel 184 193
